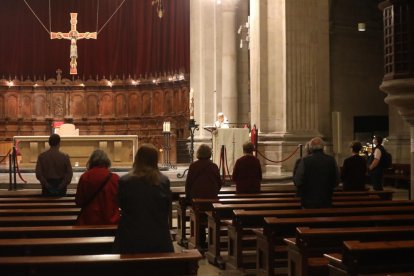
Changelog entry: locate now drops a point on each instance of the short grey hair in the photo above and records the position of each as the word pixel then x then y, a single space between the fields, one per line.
pixel 316 144
pixel 98 158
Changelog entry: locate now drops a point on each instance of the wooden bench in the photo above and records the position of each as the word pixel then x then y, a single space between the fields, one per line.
pixel 56 246
pixel 182 263
pixel 37 221
pixel 198 208
pixel 311 243
pixel 222 212
pixel 276 229
pixel 361 258
pixel 57 231
pixel 39 212
pixel 398 174
pixel 35 199
pixel 37 205
pixel 243 220
pixel 31 193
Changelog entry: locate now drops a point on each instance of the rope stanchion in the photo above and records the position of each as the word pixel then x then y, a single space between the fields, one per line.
pixel 283 160
pixel 18 171
pixel 223 165
pixel 4 157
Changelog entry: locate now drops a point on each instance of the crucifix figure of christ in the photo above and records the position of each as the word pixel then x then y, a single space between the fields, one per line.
pixel 73 36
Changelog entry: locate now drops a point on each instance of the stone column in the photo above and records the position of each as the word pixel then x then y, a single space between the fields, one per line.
pixel 398 80
pixel 202 65
pixel 229 60
pixel 290 100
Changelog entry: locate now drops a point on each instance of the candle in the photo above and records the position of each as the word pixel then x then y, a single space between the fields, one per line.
pixel 163 126
pixel 191 104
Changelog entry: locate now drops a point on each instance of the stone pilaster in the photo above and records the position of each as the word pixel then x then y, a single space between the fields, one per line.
pixel 289 75
pixel 229 59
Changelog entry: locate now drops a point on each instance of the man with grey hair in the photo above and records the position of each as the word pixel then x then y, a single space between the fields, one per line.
pixel 316 176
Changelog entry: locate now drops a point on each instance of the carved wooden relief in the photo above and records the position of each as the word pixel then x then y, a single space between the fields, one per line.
pixel 77 106
pixel 58 105
pixel 133 105
pixel 146 104
pixel 1 107
pixel 92 105
pixel 168 107
pixel 26 106
pixel 12 106
pixel 106 105
pixel 157 103
pixel 39 106
pixel 96 109
pixel 120 103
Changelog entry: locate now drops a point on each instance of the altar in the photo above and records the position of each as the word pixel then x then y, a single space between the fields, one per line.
pixel 121 149
pixel 233 140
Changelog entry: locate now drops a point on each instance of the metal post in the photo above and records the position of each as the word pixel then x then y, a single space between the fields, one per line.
pixel 10 172
pixel 14 168
pixel 192 126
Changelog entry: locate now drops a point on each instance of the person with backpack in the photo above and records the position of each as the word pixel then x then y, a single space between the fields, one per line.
pixel 377 163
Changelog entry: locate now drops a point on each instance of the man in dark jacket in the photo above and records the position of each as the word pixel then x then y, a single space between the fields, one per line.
pixel 53 169
pixel 316 177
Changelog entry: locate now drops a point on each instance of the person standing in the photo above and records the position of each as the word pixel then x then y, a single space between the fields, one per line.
pixel 354 169
pixel 144 199
pixel 203 179
pixel 375 169
pixel 222 121
pixel 316 177
pixel 53 169
pixel 97 191
pixel 247 171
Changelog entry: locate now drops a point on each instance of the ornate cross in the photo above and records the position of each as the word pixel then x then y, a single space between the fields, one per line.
pixel 73 36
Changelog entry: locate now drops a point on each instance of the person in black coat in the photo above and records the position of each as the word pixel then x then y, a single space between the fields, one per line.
pixel 144 199
pixel 354 169
pixel 316 177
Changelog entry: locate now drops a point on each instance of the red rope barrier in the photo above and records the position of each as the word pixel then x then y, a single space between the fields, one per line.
pixel 4 158
pixel 283 160
pixel 18 171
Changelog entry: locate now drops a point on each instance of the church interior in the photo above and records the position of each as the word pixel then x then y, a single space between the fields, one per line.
pixel 121 73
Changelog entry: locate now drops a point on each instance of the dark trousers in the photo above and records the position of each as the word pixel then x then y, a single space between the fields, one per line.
pixel 53 189
pixel 376 179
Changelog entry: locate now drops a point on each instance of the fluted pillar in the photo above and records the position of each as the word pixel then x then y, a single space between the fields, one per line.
pixel 398 80
pixel 290 99
pixel 229 60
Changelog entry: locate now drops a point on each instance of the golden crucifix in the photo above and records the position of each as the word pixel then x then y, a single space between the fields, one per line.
pixel 73 36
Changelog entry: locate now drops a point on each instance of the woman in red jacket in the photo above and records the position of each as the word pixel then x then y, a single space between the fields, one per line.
pixel 97 192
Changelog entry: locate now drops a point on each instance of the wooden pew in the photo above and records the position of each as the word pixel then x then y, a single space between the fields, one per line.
pixel 243 220
pixel 37 221
pixel 37 205
pixel 36 199
pixel 57 231
pixel 39 212
pixel 222 212
pixel 182 263
pixel 309 244
pixel 182 204
pixel 198 208
pixel 56 246
pixel 30 193
pixel 361 258
pixel 276 229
